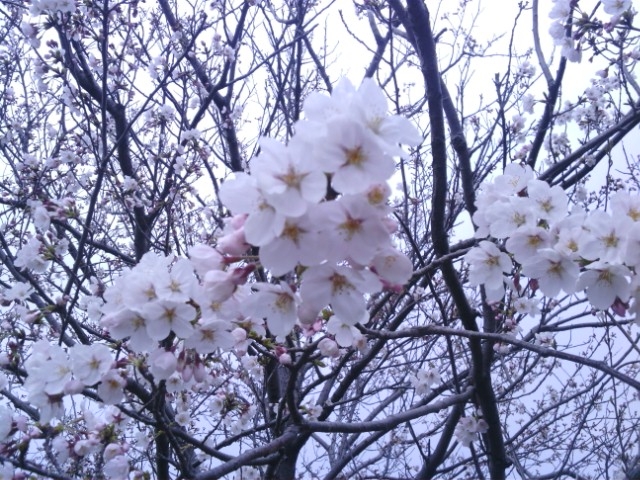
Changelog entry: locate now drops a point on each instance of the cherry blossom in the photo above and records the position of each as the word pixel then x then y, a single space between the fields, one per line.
pixel 205 258
pixel 486 267
pixel 344 332
pixel 31 256
pixel 351 153
pixel 289 184
pixel 341 287
pixel 131 325
pixel 604 282
pixel 299 243
pixel 423 380
pixel 111 387
pixel 90 362
pixel 164 316
pixel 328 348
pixel 242 196
pixel 354 228
pixel 209 335
pixel 181 294
pixel 616 7
pixel 276 303
pixel 468 428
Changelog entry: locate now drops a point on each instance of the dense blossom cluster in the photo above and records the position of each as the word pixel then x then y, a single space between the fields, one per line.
pixel 592 251
pixel 316 210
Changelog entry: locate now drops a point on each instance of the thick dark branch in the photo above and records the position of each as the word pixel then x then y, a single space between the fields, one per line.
pixel 459 144
pixel 611 137
pixel 282 442
pixel 434 460
pixel 547 116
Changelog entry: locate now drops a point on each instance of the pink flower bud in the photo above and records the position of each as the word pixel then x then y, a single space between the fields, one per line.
pixel 187 373
pixel 199 372
pixel 233 243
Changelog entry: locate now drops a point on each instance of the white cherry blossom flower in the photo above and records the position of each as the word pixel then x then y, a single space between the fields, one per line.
pixel 320 108
pixel 616 7
pixel 527 306
pixel 486 267
pixel 41 216
pixel 6 422
pixel 90 362
pixel 468 428
pixel 61 449
pixel 561 9
pixel 233 241
pixel 328 348
pixel 178 284
pixel 205 258
pixel 164 316
pixel 423 380
pixel 288 183
pixel 242 196
pixel 393 267
pixel 300 242
pixel 632 254
pixel 608 238
pixel 513 180
pixel 140 287
pixel 344 333
pixel 117 468
pixel 352 154
pixel 506 217
pixel 30 257
pixel 554 272
pixel 276 303
pixel 526 241
pixel 219 286
pixel 111 388
pixel 49 406
pixel 626 205
pixel 86 446
pixel 18 291
pixel 342 287
pixel 569 241
pixel 210 335
pixel 549 203
pixel 546 339
pixel 370 106
pixel 353 228
pixel 49 369
pixel 131 324
pixel 604 282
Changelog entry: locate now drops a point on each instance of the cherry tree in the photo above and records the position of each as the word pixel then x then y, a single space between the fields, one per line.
pixel 222 258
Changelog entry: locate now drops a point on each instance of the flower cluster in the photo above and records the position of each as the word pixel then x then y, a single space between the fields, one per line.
pixel 316 212
pixel 423 380
pixel 595 252
pixel 561 16
pixel 468 429
pixel 54 373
